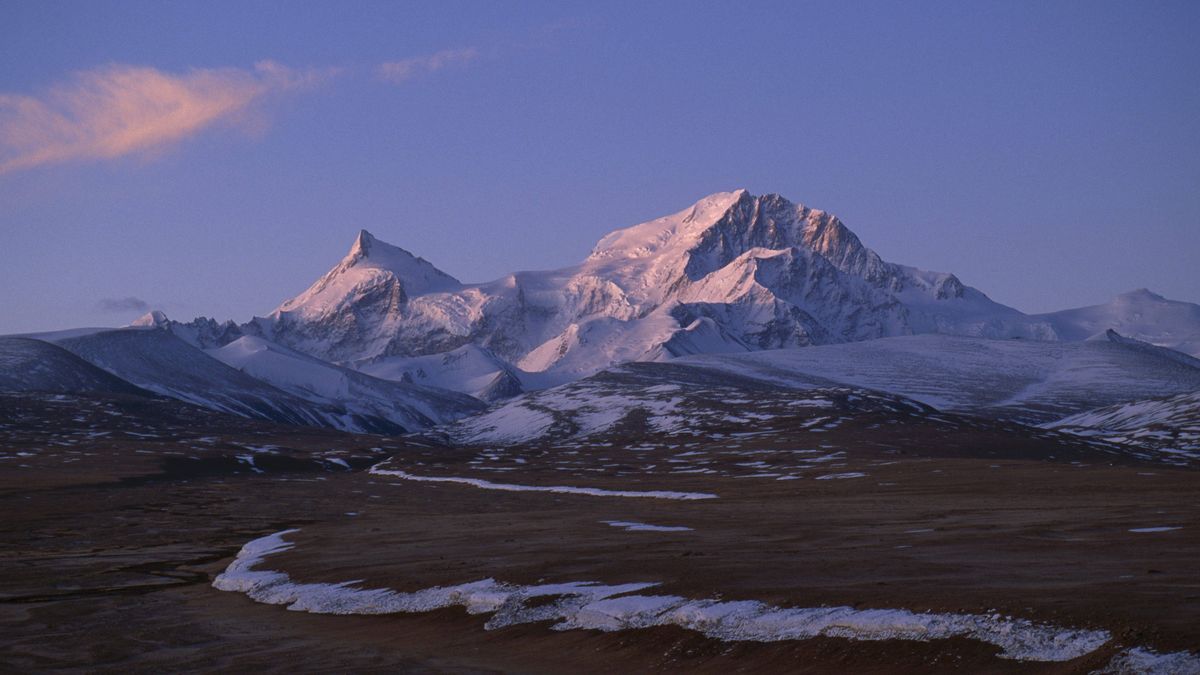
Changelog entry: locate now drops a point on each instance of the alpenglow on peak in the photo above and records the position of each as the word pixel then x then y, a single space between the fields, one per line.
pixel 732 272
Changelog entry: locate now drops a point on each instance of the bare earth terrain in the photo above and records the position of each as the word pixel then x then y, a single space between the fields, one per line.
pixel 120 513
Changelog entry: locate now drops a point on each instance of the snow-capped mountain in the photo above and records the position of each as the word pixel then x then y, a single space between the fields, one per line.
pixel 362 306
pixel 732 273
pixel 385 341
pixel 1139 314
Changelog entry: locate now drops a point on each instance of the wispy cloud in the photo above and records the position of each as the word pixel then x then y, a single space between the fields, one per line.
pixel 120 110
pixel 405 69
pixel 129 304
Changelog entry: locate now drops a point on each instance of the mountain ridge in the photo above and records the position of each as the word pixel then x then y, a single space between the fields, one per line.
pixel 765 271
pixel 733 272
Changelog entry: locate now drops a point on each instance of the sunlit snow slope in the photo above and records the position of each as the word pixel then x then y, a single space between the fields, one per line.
pixel 734 272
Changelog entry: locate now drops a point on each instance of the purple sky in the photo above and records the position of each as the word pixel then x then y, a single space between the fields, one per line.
pixel 215 158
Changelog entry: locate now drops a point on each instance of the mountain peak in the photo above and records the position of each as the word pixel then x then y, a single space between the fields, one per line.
pixel 152 319
pixel 366 246
pixel 773 222
pixel 657 236
pixel 362 244
pixel 372 268
pixel 722 226
pixel 371 252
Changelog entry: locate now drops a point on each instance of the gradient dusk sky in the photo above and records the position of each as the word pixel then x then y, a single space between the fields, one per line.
pixel 216 157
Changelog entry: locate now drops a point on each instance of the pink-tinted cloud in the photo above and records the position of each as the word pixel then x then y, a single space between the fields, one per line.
pixel 399 71
pixel 120 110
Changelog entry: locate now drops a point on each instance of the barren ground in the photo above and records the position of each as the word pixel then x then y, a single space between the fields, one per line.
pixel 110 542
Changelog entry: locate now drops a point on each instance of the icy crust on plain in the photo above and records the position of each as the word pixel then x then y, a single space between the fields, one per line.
pixel 562 489
pixel 597 606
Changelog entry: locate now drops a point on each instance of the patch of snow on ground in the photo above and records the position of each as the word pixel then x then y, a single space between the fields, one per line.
pixel 564 489
pixel 590 605
pixel 631 526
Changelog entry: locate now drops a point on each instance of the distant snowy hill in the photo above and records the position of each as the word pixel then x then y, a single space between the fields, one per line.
pixel 1020 381
pixel 28 365
pixel 407 405
pixel 640 401
pixel 1139 314
pixel 1023 380
pixel 157 361
pixel 249 378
